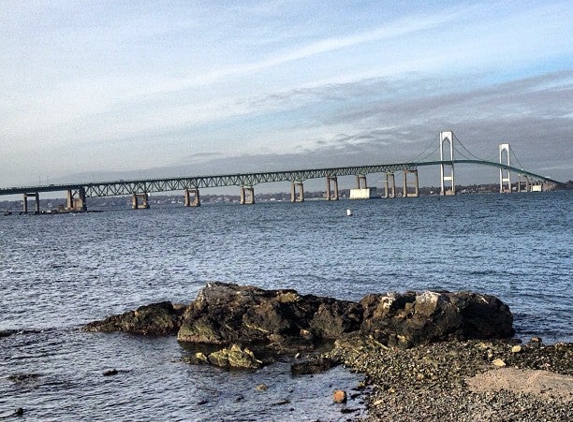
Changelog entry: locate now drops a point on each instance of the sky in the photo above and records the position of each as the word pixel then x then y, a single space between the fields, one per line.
pixel 100 90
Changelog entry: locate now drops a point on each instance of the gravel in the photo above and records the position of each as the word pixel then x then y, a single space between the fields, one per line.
pixel 432 382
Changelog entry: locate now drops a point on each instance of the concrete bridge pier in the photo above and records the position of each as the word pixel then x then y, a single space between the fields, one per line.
pixel 408 184
pixel 247 196
pixel 76 200
pixel 331 188
pixel 196 202
pixel 523 184
pixel 296 192
pixel 390 186
pixel 361 181
pixel 36 197
pixel 136 198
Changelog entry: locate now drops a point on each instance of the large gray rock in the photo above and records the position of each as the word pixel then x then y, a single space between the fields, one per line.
pixel 409 319
pixel 286 322
pixel 229 313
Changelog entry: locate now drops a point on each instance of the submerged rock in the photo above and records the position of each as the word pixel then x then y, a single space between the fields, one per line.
pixel 156 319
pixel 6 333
pixel 312 366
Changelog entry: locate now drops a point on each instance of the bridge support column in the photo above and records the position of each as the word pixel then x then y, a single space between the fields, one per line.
pixel 390 186
pixel 523 184
pixel 36 197
pixel 294 195
pixel 504 174
pixel 135 201
pixel 196 202
pixel 447 165
pixel 361 182
pixel 407 184
pixel 331 188
pixel 76 200
pixel 247 195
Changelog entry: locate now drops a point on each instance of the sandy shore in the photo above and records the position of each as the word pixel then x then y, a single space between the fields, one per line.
pixel 464 381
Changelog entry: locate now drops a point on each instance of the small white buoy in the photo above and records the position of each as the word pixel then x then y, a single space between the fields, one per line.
pixel 349 212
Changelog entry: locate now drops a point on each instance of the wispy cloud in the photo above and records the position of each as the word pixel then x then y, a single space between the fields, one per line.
pixel 111 80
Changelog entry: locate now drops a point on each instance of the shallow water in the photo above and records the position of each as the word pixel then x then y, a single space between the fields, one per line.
pixel 60 271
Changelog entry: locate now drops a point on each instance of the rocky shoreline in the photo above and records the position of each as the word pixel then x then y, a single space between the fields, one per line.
pixel 464 381
pixel 431 356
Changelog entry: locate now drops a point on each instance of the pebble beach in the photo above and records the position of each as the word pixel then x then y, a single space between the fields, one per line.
pixel 464 381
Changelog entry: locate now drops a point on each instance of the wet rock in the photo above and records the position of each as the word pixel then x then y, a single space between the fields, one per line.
pixel 155 319
pixel 312 366
pixel 110 372
pixel 6 333
pixel 261 387
pixel 405 320
pixel 281 402
pixel 201 358
pixel 228 313
pixel 234 357
pixel 23 378
pixel 285 322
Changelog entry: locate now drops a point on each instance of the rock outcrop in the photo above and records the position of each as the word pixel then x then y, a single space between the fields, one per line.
pixel 156 319
pixel 409 319
pixel 285 321
pixel 229 313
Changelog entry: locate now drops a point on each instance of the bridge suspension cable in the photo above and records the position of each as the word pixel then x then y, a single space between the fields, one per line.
pixel 465 149
pixel 515 158
pixel 425 154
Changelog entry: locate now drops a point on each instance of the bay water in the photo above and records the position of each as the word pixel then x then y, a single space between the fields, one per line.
pixel 58 272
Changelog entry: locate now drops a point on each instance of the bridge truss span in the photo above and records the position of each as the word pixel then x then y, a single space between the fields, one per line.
pixel 121 187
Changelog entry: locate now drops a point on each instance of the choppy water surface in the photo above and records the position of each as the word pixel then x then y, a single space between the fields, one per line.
pixel 60 271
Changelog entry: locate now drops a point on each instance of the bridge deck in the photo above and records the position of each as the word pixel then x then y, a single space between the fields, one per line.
pixel 128 187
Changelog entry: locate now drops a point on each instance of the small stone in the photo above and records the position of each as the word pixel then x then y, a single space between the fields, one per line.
pixel 261 387
pixel 535 342
pixel 110 372
pixel 499 363
pixel 339 396
pixel 561 346
pixel 18 412
pixel 517 349
pixel 201 358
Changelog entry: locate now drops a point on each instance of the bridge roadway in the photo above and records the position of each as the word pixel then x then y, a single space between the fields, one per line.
pixel 248 180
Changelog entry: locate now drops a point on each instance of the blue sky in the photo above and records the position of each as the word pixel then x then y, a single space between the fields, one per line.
pixel 104 89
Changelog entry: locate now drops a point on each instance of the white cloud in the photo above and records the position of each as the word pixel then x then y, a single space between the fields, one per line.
pixel 246 78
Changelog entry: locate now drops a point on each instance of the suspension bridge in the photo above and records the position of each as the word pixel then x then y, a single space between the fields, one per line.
pixel 449 145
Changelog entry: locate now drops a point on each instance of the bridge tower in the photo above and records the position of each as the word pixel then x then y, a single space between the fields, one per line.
pixel 504 174
pixel 447 165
